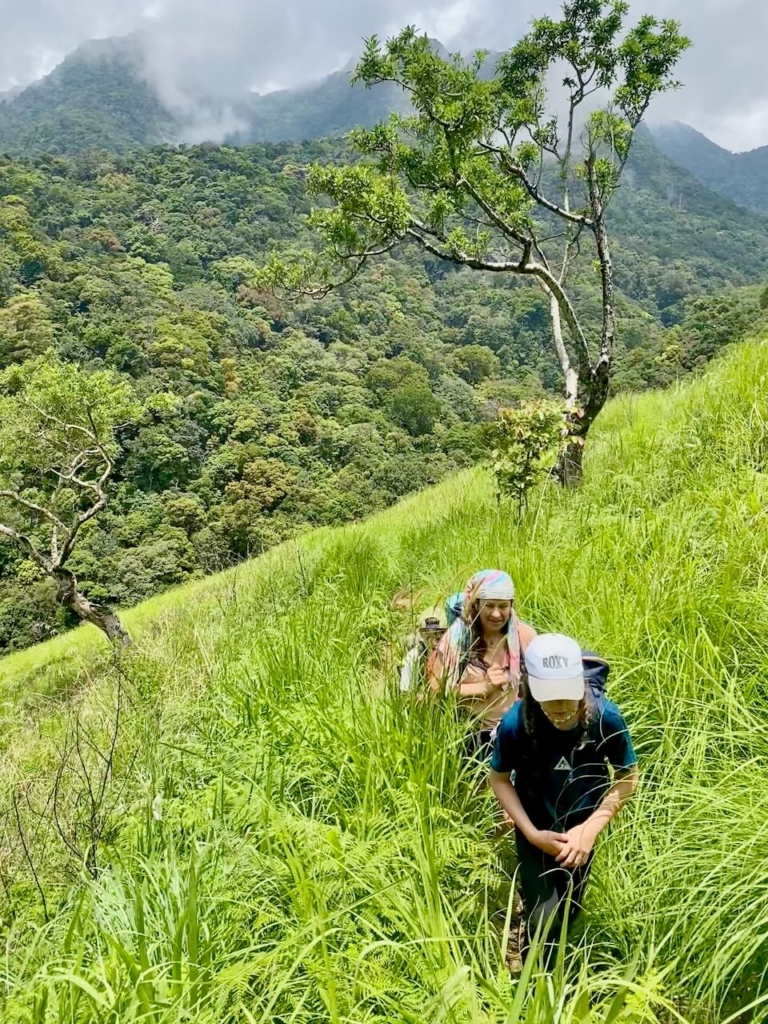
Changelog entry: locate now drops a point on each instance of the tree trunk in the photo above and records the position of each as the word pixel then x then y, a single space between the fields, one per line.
pixel 578 421
pixel 570 375
pixel 586 387
pixel 104 618
pixel 569 469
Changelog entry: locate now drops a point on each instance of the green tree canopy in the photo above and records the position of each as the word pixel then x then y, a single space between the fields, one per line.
pixel 485 174
pixel 57 454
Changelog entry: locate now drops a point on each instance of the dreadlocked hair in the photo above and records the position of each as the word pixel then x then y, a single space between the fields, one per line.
pixel 534 717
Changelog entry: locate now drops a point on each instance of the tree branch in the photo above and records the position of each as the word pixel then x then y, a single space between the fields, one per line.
pixel 97 487
pixel 322 290
pixel 363 256
pixel 525 241
pixel 608 334
pixel 428 109
pixel 570 375
pixel 25 544
pixel 524 267
pixel 516 171
pixel 80 461
pixel 496 266
pixel 65 426
pixel 31 506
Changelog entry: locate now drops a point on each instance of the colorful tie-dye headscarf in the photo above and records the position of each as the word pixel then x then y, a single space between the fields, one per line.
pixel 489 585
pixel 456 643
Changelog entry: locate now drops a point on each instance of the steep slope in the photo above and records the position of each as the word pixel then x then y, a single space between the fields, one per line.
pixel 288 414
pixel 282 833
pixel 96 98
pixel 100 97
pixel 330 106
pixel 662 210
pixel 741 177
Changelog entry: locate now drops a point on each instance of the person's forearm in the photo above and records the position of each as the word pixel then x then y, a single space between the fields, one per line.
pixel 480 689
pixel 473 689
pixel 507 796
pixel 612 803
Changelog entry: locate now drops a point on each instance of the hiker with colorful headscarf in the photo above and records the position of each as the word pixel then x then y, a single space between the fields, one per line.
pixel 479 656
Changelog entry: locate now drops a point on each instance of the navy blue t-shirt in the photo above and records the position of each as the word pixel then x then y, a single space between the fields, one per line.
pixel 564 778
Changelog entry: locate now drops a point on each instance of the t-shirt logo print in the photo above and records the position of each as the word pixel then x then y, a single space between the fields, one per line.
pixel 562 765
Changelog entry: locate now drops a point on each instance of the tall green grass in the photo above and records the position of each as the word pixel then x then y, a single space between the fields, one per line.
pixel 286 839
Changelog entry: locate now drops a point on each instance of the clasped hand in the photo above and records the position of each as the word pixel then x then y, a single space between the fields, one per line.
pixel 570 849
pixel 494 678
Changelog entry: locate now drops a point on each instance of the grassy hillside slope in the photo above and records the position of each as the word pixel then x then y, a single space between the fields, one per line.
pixel 285 414
pixel 282 838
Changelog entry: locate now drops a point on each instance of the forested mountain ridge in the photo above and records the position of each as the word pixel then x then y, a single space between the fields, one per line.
pixel 668 219
pixel 96 98
pixel 741 177
pixel 101 97
pixel 264 416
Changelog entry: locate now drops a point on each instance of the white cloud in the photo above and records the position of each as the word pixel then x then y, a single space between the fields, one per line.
pixel 225 47
pixel 725 92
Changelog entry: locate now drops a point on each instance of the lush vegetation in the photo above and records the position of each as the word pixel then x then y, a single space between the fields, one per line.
pixel 263 417
pixel 737 176
pixel 483 174
pixel 277 836
pixel 96 98
pixel 58 446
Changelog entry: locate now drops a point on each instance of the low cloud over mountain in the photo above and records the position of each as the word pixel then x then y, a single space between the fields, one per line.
pixel 194 48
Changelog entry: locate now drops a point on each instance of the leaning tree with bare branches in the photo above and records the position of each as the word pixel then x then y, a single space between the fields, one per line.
pixel 57 455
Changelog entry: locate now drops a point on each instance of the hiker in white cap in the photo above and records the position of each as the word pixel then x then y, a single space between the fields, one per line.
pixel 562 767
pixel 479 656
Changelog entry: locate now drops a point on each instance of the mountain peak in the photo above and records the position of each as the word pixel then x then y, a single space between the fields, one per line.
pixel 437 47
pixel 681 133
pixel 739 177
pixel 125 50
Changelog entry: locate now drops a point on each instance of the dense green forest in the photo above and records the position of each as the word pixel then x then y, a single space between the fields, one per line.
pixel 738 176
pixel 100 96
pixel 267 416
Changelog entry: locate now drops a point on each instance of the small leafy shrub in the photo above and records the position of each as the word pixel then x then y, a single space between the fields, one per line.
pixel 524 439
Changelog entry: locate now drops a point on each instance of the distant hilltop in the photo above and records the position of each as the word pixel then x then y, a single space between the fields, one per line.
pixel 104 96
pixel 742 177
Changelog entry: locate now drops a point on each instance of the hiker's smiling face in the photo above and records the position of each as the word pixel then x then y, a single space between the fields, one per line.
pixel 494 615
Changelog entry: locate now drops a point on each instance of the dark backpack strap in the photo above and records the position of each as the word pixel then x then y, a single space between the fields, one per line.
pixel 596 670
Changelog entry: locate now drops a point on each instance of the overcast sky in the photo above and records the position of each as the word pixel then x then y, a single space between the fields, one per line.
pixel 224 46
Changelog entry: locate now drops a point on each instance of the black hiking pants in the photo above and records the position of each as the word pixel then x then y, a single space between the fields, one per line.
pixel 544 887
